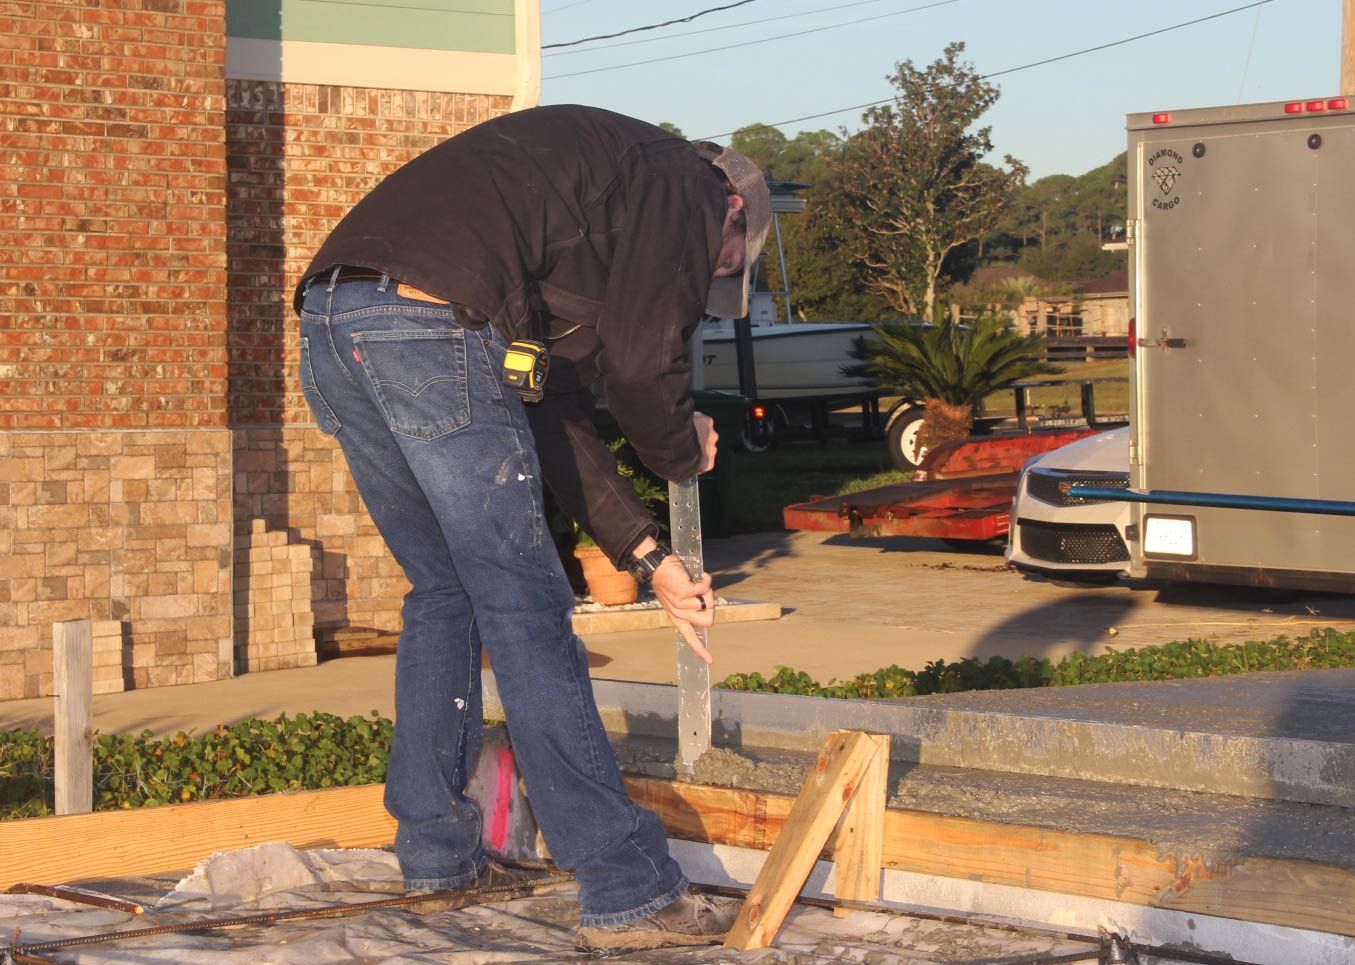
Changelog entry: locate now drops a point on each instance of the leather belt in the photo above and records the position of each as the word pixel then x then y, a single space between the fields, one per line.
pixel 353 273
pixel 356 273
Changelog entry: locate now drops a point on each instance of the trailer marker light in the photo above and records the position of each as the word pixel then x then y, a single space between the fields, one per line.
pixel 1316 106
pixel 1163 118
pixel 1338 104
pixel 1133 337
pixel 1294 107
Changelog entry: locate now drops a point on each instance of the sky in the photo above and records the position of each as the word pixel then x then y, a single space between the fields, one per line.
pixel 1061 118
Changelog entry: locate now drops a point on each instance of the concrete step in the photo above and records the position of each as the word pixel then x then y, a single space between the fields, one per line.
pixel 1278 736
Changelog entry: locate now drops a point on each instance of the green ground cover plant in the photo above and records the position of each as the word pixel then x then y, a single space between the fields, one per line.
pixel 312 751
pixel 1321 649
pixel 306 752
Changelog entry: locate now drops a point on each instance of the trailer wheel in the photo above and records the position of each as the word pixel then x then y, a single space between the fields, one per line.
pixel 901 439
pixel 748 445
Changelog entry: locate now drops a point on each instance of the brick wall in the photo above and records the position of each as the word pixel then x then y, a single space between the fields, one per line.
pixel 114 457
pixel 112 214
pixel 299 157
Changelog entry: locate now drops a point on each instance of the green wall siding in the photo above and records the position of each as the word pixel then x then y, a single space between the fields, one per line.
pixel 483 26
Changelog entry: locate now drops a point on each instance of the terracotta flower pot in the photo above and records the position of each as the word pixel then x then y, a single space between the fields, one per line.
pixel 606 584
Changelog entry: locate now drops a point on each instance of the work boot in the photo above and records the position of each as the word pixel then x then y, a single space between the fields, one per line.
pixel 691 920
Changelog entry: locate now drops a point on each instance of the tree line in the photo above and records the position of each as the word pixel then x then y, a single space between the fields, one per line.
pixel 906 209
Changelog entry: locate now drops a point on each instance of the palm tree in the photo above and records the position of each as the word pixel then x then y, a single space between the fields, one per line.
pixel 952 368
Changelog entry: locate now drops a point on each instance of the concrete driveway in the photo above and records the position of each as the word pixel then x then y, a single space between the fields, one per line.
pixel 853 606
pixel 850 607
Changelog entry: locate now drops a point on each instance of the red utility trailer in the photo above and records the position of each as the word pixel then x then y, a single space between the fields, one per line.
pixel 963 491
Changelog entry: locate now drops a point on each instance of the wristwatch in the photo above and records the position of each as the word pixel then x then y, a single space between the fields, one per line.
pixel 642 567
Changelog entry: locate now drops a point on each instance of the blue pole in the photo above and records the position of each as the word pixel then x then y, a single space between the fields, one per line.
pixel 1275 504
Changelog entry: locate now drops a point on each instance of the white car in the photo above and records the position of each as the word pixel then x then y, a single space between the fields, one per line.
pixel 1066 538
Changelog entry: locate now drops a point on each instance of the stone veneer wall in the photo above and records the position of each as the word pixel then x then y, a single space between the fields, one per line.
pixel 296 478
pixel 126 526
pixel 274 625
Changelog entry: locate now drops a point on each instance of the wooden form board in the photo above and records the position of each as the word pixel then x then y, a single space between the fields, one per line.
pixel 172 837
pixel 1295 894
pixel 858 848
pixel 839 792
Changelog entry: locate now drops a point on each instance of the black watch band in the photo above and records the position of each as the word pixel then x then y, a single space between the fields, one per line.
pixel 642 567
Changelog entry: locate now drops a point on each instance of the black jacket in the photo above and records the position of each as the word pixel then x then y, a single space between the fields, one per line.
pixel 618 224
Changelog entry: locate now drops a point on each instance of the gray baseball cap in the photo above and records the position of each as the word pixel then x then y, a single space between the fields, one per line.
pixel 728 296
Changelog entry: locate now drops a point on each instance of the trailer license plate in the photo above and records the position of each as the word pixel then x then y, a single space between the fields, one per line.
pixel 1169 536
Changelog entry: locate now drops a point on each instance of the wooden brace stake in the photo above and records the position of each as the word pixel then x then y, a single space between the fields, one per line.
pixel 849 782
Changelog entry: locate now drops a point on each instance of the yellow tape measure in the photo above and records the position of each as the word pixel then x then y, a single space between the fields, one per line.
pixel 525 367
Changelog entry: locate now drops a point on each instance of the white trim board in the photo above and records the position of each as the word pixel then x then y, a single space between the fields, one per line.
pixel 382 68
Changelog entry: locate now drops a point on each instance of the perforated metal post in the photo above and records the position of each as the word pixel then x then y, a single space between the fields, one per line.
pixel 684 507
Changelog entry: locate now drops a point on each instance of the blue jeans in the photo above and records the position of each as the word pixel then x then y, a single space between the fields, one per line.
pixel 445 463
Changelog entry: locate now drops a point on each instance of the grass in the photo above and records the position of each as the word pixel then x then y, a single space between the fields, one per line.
pixel 1067 399
pixel 765 483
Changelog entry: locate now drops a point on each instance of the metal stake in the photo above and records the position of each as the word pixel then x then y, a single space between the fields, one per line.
pixel 684 507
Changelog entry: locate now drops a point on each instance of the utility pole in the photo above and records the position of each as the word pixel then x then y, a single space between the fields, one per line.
pixel 1348 47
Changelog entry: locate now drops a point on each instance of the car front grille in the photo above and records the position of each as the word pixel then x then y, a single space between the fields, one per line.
pixel 1084 543
pixel 1051 485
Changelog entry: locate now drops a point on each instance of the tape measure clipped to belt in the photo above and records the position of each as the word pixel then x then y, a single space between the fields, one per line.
pixel 525 368
pixel 528 360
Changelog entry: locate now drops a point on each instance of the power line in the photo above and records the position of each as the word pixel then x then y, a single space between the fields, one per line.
pixel 1013 70
pixel 749 43
pixel 652 26
pixel 706 30
pixel 576 3
pixel 1246 64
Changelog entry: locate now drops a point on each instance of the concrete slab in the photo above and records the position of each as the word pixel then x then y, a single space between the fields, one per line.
pixel 1289 768
pixel 1315 705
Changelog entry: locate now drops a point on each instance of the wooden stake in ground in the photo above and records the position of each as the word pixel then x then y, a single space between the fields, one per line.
pixel 848 782
pixel 73 679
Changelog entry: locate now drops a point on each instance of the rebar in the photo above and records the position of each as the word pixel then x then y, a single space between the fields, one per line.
pixel 520 889
pixel 78 895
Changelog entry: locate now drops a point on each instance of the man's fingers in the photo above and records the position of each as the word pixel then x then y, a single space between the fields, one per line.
pixel 691 610
pixel 693 641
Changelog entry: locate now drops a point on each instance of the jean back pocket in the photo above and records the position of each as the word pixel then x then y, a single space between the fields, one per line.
pixel 419 379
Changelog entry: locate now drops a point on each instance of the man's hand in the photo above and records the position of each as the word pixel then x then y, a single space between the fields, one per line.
pixel 686 603
pixel 706 437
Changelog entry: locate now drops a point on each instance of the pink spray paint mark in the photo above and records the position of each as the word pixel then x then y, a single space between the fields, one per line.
pixel 498 821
